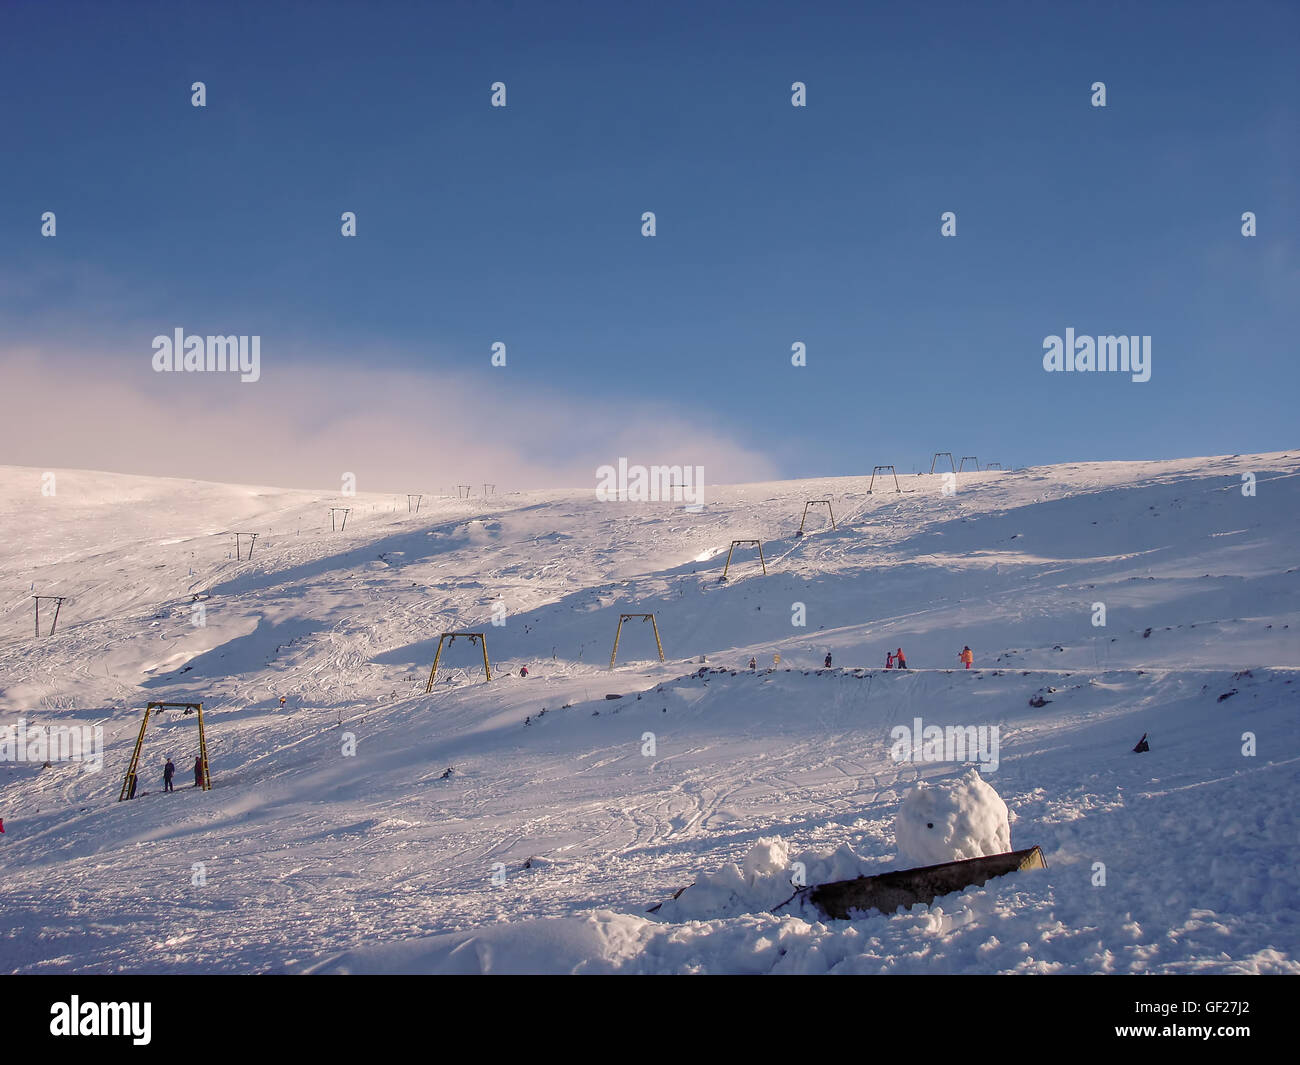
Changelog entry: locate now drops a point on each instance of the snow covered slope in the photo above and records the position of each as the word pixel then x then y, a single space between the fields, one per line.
pixel 566 815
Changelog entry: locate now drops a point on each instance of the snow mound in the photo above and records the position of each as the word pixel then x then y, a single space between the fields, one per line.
pixel 767 877
pixel 956 819
pixel 767 857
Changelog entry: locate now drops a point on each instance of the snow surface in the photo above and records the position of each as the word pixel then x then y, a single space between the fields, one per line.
pixel 948 820
pixel 549 841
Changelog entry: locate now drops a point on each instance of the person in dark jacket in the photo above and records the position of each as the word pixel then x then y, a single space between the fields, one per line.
pixel 828 660
pixel 169 771
pixel 198 772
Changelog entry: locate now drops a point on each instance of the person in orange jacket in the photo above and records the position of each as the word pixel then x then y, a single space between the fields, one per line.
pixel 898 657
pixel 967 656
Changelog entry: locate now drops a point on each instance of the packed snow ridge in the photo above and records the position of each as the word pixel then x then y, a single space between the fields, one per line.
pixel 530 824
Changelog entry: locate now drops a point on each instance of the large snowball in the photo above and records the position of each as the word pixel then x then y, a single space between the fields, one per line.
pixel 768 857
pixel 953 819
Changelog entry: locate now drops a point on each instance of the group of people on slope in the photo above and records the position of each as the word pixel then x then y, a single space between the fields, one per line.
pixel 893 659
pixel 169 772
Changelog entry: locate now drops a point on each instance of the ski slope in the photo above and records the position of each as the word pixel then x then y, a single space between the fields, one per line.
pixel 567 815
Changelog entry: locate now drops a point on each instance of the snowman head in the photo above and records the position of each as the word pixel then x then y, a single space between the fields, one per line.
pixel 951 819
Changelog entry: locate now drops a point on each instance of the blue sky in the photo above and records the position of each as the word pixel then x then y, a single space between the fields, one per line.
pixel 775 224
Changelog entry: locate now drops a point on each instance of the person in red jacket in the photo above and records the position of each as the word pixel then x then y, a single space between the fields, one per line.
pixel 889 659
pixel 898 657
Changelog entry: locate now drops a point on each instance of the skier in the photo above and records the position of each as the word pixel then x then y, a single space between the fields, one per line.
pixel 753 662
pixel 169 771
pixel 828 660
pixel 889 659
pixel 898 657
pixel 198 772
pixel 282 702
pixel 967 656
pixel 523 671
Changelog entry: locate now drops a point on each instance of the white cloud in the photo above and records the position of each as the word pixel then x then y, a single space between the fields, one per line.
pixel 305 424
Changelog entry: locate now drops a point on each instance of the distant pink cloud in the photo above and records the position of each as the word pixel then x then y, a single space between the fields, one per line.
pixel 305 424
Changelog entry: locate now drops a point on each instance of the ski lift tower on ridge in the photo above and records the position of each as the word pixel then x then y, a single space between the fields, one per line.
pixel 739 543
pixel 239 545
pixel 133 769
pixel 619 631
pixel 814 502
pixel 474 637
pixel 893 473
pixel 59 600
